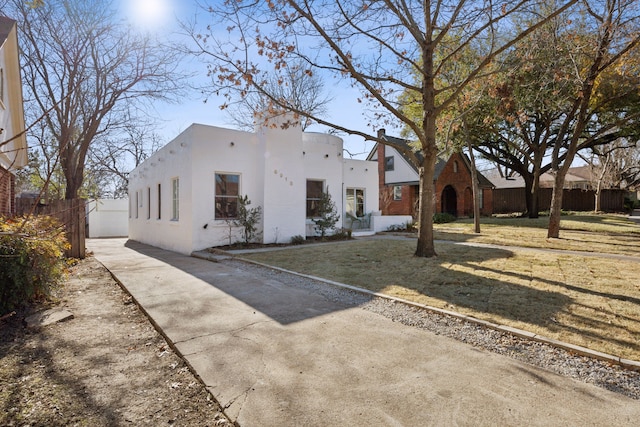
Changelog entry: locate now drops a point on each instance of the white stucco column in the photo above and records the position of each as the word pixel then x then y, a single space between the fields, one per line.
pixel 284 207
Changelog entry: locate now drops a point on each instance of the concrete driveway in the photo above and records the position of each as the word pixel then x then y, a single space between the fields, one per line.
pixel 277 355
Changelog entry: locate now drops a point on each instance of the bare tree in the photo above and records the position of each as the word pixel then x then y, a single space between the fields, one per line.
pixel 383 48
pixel 306 93
pixel 615 165
pixel 85 66
pixel 112 158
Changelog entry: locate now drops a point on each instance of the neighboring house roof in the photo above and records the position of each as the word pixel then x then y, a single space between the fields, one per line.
pixel 6 25
pixel 440 163
pixel 578 177
pixel 513 181
pixel 13 155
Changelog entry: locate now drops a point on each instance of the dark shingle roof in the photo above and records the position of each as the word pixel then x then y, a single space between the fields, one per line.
pixel 440 163
pixel 6 24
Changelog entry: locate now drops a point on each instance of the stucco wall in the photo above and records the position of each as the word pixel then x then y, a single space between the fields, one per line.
pixel 273 165
pixel 223 151
pixel 323 162
pixel 171 161
pixel 363 175
pixel 283 184
pixel 108 218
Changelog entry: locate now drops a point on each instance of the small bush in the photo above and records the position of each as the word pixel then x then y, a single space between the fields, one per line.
pixel 342 234
pixel 297 240
pixel 248 219
pixel 443 217
pixel 327 213
pixel 31 260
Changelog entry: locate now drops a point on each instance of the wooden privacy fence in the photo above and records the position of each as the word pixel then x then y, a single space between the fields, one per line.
pixel 69 212
pixel 507 200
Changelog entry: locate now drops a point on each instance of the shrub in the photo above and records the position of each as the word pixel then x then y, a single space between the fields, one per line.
pixel 443 217
pixel 298 240
pixel 328 214
pixel 31 260
pixel 248 219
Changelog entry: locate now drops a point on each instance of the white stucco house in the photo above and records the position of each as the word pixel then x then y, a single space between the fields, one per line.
pixel 184 196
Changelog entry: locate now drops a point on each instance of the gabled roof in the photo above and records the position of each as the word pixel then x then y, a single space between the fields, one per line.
pixel 6 25
pixel 440 162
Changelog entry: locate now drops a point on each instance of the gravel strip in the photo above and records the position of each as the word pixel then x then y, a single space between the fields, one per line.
pixel 603 374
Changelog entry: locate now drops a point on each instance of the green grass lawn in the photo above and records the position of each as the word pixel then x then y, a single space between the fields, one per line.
pixel 584 300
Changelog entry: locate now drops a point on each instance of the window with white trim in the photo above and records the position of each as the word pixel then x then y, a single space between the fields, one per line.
pixel 226 197
pixel 314 195
pixel 388 163
pixel 397 192
pixel 175 199
pixel 355 202
pixel 148 202
pixel 159 201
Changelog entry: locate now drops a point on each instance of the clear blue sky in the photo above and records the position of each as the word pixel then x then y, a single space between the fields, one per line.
pixel 160 15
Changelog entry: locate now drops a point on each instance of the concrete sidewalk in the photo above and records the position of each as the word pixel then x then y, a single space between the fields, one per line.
pixel 276 355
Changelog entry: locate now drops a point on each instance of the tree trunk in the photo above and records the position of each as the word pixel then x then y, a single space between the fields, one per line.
pixel 74 183
pixel 529 196
pixel 425 246
pixel 475 187
pixel 553 231
pixel 534 209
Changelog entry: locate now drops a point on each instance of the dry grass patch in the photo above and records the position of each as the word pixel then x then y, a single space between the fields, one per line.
pixel 588 301
pixel 614 234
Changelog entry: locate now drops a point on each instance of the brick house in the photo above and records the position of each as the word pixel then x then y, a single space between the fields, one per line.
pixel 13 150
pixel 399 183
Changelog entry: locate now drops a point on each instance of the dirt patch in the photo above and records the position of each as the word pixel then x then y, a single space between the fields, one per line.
pixel 107 366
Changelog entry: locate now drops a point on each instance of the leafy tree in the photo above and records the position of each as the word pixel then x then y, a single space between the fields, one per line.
pixel 82 68
pixel 616 24
pixel 379 47
pixel 516 123
pixel 521 113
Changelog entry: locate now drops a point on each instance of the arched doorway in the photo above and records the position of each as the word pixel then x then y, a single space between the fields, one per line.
pixel 449 201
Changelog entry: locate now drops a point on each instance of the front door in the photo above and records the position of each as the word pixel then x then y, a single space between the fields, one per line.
pixel 449 201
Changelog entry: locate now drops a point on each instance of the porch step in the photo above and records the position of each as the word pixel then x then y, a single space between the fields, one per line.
pixel 363 232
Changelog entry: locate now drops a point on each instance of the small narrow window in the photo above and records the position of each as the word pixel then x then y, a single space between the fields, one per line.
pixel 397 192
pixel 175 199
pixel 314 195
pixel 159 201
pixel 226 197
pixel 2 85
pixel 481 198
pixel 148 202
pixel 388 163
pixel 455 166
